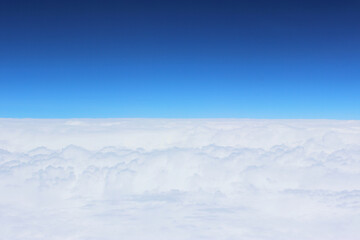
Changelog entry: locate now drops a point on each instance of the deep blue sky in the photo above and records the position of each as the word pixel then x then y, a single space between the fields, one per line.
pixel 180 59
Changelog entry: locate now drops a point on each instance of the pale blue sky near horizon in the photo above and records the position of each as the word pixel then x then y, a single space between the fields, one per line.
pixel 180 59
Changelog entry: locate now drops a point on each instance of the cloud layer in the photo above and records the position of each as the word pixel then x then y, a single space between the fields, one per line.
pixel 179 179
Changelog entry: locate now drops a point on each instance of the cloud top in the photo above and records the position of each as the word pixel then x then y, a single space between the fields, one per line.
pixel 179 179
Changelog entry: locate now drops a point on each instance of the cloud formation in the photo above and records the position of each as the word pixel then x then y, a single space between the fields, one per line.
pixel 179 179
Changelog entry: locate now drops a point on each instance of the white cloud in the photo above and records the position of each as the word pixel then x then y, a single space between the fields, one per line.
pixel 179 179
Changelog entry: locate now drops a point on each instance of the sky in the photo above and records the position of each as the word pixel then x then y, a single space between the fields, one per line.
pixel 180 59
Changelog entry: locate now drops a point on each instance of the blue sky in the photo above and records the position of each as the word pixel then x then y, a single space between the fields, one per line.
pixel 180 59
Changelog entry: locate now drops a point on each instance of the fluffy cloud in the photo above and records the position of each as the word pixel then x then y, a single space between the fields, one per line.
pixel 179 179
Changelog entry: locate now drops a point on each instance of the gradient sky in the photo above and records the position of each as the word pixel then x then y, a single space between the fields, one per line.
pixel 180 59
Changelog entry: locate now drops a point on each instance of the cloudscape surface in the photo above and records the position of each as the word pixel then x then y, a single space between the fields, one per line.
pixel 180 59
pixel 179 179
